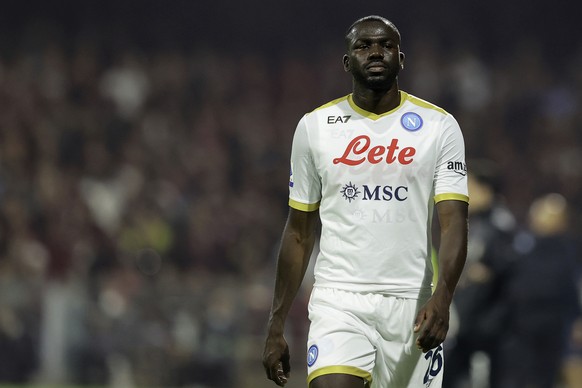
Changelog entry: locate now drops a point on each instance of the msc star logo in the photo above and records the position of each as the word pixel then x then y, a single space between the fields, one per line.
pixel 350 192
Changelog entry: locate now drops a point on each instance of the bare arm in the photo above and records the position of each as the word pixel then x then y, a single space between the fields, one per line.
pixel 432 321
pixel 294 253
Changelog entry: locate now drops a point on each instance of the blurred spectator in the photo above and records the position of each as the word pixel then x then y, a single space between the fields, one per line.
pixel 572 365
pixel 479 302
pixel 543 297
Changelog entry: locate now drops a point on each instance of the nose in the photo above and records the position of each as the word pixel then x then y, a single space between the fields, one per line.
pixel 376 51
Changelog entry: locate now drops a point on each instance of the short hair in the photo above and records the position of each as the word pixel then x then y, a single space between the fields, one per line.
pixel 376 18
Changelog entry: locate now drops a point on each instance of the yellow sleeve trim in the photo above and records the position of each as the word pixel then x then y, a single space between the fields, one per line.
pixel 425 104
pixel 306 207
pixel 342 369
pixel 450 196
pixel 331 103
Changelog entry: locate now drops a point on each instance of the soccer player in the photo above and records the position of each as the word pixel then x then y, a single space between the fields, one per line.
pixel 370 167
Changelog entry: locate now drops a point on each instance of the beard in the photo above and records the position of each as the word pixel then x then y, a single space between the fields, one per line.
pixel 378 82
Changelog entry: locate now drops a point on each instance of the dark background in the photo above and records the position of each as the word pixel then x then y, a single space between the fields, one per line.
pixel 144 153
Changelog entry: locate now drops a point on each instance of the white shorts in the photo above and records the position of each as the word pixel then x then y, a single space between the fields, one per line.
pixel 370 336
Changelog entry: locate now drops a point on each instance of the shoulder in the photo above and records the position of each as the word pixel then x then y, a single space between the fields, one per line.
pixel 336 104
pixel 423 104
pixel 431 114
pixel 328 113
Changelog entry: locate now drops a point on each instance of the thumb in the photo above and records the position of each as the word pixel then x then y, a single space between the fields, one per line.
pixel 418 321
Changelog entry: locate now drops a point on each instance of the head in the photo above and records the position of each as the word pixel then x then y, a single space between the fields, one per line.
pixel 483 181
pixel 548 215
pixel 373 55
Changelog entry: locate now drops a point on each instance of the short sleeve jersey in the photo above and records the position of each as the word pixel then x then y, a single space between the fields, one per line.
pixel 375 180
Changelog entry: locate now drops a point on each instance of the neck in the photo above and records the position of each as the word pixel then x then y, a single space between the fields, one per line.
pixel 377 101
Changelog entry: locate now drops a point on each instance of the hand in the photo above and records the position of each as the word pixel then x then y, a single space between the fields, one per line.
pixel 432 324
pixel 276 360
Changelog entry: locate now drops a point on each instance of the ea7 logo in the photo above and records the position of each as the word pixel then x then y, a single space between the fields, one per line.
pixel 338 119
pixel 458 167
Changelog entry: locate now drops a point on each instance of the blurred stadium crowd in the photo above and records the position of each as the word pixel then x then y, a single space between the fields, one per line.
pixel 143 190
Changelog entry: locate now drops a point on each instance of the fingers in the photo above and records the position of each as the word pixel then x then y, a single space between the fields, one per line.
pixel 285 363
pixel 277 373
pixel 278 368
pixel 280 377
pixel 430 339
pixel 418 321
pixel 432 332
pixel 421 327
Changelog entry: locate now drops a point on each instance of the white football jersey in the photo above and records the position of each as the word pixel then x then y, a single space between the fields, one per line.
pixel 375 179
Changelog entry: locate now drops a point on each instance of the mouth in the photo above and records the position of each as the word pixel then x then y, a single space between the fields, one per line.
pixel 376 67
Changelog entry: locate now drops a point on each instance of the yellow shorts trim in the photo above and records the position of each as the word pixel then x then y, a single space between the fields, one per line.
pixel 342 369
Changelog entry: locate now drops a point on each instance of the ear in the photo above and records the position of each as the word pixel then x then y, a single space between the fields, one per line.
pixel 401 60
pixel 346 61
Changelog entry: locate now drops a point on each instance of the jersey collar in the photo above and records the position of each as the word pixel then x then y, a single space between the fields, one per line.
pixel 374 116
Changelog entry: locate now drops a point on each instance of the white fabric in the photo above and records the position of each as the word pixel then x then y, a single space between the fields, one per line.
pixel 370 336
pixel 375 179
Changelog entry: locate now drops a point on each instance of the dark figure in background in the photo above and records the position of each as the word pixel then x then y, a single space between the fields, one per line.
pixel 543 297
pixel 479 301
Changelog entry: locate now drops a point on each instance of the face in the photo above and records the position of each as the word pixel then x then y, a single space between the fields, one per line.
pixel 373 56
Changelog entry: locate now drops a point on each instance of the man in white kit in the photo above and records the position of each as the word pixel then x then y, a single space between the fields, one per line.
pixel 371 166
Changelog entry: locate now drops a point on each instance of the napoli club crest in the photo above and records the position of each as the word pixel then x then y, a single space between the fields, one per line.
pixel 411 121
pixel 312 354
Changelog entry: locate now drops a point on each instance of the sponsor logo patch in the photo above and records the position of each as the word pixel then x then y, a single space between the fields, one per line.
pixel 350 192
pixel 458 167
pixel 338 119
pixel 360 149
